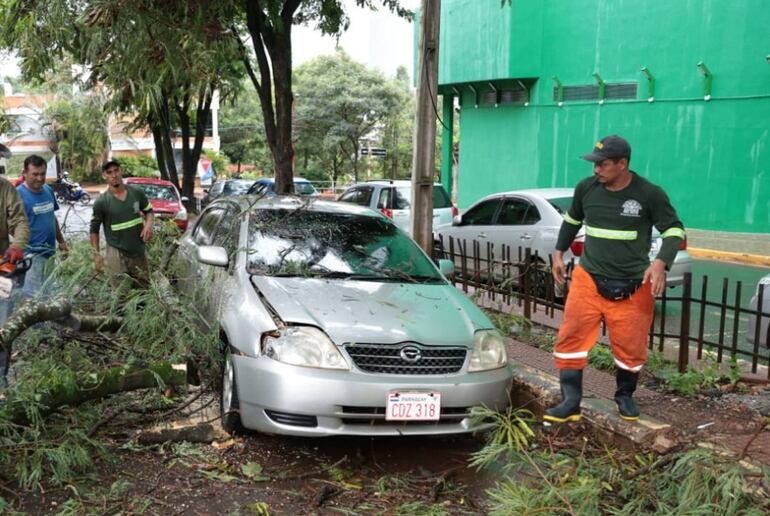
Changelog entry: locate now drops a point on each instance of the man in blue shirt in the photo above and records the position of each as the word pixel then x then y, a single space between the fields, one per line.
pixel 40 205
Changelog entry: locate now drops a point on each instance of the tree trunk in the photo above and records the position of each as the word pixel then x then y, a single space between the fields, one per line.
pixel 58 309
pixel 112 381
pixel 272 47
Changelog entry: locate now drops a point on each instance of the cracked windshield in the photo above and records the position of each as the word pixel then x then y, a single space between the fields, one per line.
pixel 305 243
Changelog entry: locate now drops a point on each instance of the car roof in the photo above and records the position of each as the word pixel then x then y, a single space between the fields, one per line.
pixel 545 193
pixel 394 182
pixel 289 202
pixel 149 181
pixel 272 180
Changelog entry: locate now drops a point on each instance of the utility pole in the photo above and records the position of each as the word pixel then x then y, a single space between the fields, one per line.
pixel 423 162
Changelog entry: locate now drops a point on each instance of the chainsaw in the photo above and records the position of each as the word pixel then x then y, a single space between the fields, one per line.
pixel 12 275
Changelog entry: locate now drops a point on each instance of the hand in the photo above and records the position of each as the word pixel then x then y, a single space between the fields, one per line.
pixel 13 254
pixel 558 269
pixel 98 259
pixel 146 233
pixel 63 247
pixel 656 274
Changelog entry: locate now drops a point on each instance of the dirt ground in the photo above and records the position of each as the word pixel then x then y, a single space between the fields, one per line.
pixel 288 475
pixel 715 417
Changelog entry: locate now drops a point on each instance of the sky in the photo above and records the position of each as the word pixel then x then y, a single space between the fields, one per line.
pixel 379 40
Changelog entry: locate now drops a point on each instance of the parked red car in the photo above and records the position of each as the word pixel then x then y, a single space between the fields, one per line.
pixel 164 197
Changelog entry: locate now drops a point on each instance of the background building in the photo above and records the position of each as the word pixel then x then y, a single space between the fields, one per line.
pixel 535 84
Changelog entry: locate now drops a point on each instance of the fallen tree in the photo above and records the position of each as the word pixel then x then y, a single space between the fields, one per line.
pixel 58 309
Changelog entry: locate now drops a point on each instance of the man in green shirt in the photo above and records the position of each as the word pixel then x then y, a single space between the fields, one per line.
pixel 127 217
pixel 614 280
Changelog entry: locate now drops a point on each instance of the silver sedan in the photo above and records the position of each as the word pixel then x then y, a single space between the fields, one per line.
pixel 336 323
pixel 531 219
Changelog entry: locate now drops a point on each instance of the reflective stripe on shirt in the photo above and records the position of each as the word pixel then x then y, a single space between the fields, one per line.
pixel 674 232
pixel 572 221
pixel 611 234
pixel 126 225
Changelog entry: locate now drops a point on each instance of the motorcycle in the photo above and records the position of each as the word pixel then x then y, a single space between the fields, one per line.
pixel 69 191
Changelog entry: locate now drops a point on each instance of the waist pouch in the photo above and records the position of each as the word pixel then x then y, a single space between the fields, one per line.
pixel 616 289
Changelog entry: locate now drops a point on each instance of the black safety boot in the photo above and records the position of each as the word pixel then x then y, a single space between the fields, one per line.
pixel 626 382
pixel 568 410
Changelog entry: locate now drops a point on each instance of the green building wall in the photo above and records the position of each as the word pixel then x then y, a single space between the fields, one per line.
pixel 706 144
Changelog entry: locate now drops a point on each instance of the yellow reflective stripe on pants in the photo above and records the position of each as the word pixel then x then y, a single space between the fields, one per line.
pixel 125 225
pixel 610 234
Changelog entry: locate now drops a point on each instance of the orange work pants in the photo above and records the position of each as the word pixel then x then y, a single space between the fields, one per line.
pixel 628 322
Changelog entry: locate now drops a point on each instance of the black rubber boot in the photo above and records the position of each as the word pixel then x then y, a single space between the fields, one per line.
pixel 626 382
pixel 568 410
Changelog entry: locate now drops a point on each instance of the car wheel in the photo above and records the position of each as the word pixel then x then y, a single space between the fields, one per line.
pixel 538 277
pixel 228 402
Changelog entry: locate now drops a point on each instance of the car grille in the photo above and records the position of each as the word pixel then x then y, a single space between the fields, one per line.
pixel 389 358
pixel 375 416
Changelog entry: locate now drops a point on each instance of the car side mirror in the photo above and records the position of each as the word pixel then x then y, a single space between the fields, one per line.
pixel 446 267
pixel 457 220
pixel 206 190
pixel 213 255
pixel 185 198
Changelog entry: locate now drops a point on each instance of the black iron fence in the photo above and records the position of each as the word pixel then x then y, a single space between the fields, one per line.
pixel 713 319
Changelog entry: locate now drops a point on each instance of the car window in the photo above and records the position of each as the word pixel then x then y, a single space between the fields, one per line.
pixel 402 198
pixel 361 195
pixel 383 203
pixel 257 189
pixel 225 235
pixel 304 188
pixel 160 192
pixel 236 187
pixel 561 204
pixel 441 198
pixel 207 227
pixel 517 212
pixel 482 214
pixel 216 189
pixel 306 243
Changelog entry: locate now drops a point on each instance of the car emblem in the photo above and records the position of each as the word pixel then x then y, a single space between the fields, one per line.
pixel 411 353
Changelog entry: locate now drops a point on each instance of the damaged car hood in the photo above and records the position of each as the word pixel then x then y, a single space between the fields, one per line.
pixel 354 311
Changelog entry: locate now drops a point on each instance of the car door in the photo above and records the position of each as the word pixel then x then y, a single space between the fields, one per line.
pixel 516 225
pixel 221 278
pixel 475 225
pixel 192 277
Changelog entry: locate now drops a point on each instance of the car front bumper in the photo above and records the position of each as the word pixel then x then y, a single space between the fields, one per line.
pixel 290 400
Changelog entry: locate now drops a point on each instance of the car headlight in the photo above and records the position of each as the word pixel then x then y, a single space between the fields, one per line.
pixel 181 214
pixel 766 282
pixel 488 351
pixel 303 346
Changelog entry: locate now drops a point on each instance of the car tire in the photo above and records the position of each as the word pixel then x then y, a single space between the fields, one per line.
pixel 229 407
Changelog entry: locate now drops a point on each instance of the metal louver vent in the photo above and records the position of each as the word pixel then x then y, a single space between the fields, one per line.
pixel 612 91
pixel 515 95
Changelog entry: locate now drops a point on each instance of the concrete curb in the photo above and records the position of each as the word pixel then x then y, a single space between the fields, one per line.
pixel 535 390
pixel 713 254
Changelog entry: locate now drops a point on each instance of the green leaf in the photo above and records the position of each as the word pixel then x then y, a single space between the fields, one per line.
pixel 253 471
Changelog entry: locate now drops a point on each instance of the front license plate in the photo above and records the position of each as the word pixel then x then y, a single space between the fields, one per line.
pixel 413 406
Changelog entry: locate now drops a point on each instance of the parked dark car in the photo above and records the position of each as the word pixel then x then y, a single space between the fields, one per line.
pixel 225 188
pixel 266 186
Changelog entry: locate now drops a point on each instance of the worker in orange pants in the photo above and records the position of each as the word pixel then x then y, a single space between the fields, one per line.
pixel 615 280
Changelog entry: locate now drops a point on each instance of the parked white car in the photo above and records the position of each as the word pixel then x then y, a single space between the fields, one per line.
pixel 531 219
pixel 393 199
pixel 764 321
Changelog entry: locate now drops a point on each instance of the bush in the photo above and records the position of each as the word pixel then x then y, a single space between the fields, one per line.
pixel 139 166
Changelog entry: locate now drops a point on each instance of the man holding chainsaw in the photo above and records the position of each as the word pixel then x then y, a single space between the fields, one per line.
pixel 40 205
pixel 13 223
pixel 615 280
